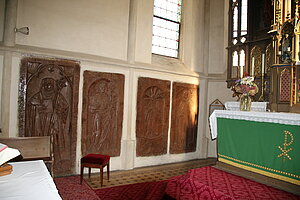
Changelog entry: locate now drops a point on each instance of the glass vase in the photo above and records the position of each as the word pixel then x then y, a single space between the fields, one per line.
pixel 245 103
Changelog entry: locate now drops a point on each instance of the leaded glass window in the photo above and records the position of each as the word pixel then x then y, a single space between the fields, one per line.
pixel 238 37
pixel 166 27
pixel 249 25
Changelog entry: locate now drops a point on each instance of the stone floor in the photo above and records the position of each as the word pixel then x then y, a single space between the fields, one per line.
pixel 146 174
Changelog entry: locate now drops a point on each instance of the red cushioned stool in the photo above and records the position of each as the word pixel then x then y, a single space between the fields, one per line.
pixel 94 161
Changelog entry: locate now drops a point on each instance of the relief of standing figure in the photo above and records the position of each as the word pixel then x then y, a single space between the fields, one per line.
pixel 99 108
pixel 47 112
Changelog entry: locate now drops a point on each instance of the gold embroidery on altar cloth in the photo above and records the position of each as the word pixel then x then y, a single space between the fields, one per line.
pixel 270 174
pixel 244 163
pixel 286 143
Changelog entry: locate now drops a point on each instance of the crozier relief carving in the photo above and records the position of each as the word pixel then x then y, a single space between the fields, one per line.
pixel 48 98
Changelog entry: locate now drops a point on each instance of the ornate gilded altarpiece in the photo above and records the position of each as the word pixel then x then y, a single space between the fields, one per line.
pixel 285 70
pixel 102 116
pixel 152 123
pixel 48 99
pixel 184 118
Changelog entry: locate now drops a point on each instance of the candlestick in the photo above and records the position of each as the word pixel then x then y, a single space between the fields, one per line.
pixel 262 98
pixel 252 68
pixel 263 63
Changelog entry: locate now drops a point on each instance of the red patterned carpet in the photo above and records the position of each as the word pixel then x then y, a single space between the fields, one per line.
pixel 202 183
pixel 212 183
pixel 69 188
pixel 139 191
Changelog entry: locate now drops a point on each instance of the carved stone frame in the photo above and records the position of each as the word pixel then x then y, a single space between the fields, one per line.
pixel 30 68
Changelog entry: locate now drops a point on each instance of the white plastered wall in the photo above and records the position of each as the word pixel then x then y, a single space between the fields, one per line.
pixel 217 61
pixel 2 9
pixel 116 162
pixel 143 31
pixel 191 41
pixel 127 159
pixel 223 95
pixel 167 158
pixel 9 93
pixel 100 35
pixel 96 27
pixel 1 74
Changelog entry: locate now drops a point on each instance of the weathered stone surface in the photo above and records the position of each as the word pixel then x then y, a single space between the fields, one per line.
pixel 48 99
pixel 102 117
pixel 184 118
pixel 152 123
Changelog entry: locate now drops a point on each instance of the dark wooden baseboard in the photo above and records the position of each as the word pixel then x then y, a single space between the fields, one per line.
pixel 286 186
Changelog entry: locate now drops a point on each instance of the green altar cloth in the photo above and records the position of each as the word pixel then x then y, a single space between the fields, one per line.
pixel 271 149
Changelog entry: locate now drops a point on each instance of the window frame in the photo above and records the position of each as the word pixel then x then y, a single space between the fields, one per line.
pixel 239 46
pixel 259 21
pixel 179 23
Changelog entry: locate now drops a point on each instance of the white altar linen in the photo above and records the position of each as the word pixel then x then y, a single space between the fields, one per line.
pixel 28 180
pixel 255 106
pixel 272 117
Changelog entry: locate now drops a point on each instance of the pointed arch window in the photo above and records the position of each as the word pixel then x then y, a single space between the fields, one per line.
pixel 239 19
pixel 238 36
pixel 249 24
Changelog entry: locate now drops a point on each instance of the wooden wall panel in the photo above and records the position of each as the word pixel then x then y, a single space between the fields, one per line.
pixel 102 117
pixel 184 118
pixel 152 123
pixel 48 100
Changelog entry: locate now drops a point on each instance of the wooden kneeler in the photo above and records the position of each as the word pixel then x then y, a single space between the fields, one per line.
pixel 95 161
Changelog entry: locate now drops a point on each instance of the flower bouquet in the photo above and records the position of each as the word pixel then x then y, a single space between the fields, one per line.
pixel 245 88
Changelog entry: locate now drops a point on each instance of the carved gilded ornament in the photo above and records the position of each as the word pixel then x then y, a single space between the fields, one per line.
pixel 297 32
pixel 278 12
pixel 269 51
pixel 256 52
pixel 285 85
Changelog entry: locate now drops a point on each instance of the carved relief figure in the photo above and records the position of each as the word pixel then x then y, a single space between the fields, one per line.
pixel 184 118
pixel 102 113
pixel 152 116
pixel 47 112
pixel 48 98
pixel 287 34
pixel 100 109
pixel 153 96
pixel 286 45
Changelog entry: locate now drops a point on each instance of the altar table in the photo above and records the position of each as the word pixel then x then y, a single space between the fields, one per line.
pixel 28 180
pixel 263 142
